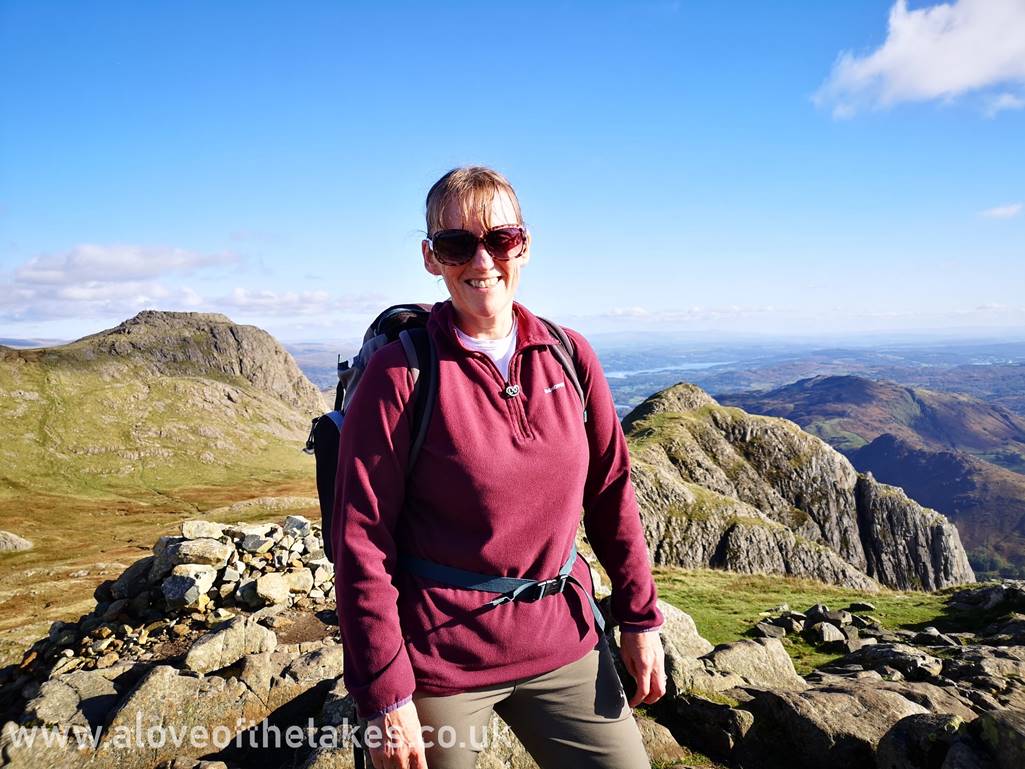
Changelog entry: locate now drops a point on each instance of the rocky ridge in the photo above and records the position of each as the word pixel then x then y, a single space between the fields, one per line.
pixel 722 488
pixel 204 344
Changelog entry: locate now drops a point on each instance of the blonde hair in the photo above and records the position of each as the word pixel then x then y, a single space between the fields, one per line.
pixel 474 187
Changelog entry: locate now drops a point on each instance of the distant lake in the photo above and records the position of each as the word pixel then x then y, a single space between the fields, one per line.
pixel 661 369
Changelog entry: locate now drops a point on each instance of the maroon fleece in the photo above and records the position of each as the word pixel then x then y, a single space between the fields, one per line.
pixel 497 489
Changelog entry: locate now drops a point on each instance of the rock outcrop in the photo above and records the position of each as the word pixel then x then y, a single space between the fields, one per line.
pixel 722 488
pixel 906 544
pixel 12 542
pixel 206 344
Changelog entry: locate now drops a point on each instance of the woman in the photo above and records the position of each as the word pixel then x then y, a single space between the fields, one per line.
pixel 497 488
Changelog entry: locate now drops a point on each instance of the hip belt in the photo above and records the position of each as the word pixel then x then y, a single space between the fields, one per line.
pixel 508 588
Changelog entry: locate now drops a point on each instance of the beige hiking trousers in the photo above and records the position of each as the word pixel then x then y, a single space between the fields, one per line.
pixel 574 717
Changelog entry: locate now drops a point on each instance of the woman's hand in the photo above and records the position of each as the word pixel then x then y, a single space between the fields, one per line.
pixel 644 658
pixel 399 743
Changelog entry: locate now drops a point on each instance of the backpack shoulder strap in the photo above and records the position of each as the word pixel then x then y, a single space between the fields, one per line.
pixel 566 353
pixel 423 364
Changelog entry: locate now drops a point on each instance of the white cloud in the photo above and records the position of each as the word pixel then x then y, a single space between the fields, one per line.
pixel 114 282
pixel 115 263
pixel 90 300
pixel 687 314
pixel 1003 101
pixel 278 302
pixel 102 281
pixel 1009 211
pixel 937 52
pixel 297 303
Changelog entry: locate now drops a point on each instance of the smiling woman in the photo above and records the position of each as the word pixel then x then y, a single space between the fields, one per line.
pixel 418 547
pixel 478 247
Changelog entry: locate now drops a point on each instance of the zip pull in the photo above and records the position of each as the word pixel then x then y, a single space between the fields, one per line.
pixel 511 390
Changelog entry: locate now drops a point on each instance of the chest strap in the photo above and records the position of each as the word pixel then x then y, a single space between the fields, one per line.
pixel 508 588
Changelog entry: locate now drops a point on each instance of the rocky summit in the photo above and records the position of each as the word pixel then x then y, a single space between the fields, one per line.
pixel 723 488
pixel 197 655
pixel 204 344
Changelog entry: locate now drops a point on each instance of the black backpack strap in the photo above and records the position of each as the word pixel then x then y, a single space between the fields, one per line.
pixel 423 363
pixel 566 353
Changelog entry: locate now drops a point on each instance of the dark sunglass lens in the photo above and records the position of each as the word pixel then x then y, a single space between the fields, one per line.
pixel 502 243
pixel 454 246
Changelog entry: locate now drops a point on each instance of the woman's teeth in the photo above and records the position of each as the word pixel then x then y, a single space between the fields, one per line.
pixel 483 283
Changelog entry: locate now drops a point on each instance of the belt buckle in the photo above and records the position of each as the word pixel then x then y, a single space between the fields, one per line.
pixel 547 587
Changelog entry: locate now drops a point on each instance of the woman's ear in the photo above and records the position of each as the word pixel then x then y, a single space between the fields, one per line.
pixel 430 263
pixel 525 256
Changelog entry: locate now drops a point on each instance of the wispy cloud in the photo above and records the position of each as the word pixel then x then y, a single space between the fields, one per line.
pixel 1003 101
pixel 1009 211
pixel 115 263
pixel 116 281
pixel 685 314
pixel 113 281
pixel 937 52
pixel 263 302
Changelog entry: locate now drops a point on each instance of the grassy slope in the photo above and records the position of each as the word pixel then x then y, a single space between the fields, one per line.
pixel 113 428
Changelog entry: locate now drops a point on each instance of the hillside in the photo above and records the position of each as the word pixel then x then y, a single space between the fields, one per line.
pixel 985 502
pixel 163 400
pixel 720 487
pixel 963 457
pixel 850 411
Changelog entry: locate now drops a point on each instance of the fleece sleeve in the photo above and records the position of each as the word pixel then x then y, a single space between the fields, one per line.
pixel 611 516
pixel 373 454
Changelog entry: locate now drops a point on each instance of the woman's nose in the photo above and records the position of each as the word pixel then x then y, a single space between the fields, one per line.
pixel 481 257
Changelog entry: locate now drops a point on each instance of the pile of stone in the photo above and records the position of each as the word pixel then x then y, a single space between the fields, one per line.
pixel 209 575
pixel 847 630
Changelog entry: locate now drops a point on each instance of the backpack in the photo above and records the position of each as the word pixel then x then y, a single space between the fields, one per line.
pixel 406 323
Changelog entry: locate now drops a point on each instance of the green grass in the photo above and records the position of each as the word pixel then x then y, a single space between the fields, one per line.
pixel 689 759
pixel 834 432
pixel 726 605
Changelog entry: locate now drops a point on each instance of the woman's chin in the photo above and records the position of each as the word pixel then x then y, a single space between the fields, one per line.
pixel 482 310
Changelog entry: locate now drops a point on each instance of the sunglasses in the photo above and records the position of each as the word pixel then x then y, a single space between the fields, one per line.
pixel 456 247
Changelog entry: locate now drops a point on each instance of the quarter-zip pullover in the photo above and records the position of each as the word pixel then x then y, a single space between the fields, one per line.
pixel 498 488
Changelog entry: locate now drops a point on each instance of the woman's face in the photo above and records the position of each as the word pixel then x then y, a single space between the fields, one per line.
pixel 482 310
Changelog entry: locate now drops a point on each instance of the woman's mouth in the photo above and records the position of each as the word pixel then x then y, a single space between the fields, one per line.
pixel 483 283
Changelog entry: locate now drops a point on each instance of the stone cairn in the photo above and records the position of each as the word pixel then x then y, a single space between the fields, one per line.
pixel 846 630
pixel 201 579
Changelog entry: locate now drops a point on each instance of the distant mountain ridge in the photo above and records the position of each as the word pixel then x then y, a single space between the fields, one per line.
pixel 850 411
pixel 163 399
pixel 952 452
pixel 723 488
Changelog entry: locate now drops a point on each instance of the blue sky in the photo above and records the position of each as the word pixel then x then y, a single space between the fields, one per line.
pixel 710 168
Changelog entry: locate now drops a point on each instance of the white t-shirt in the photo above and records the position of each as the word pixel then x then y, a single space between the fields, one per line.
pixel 499 350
